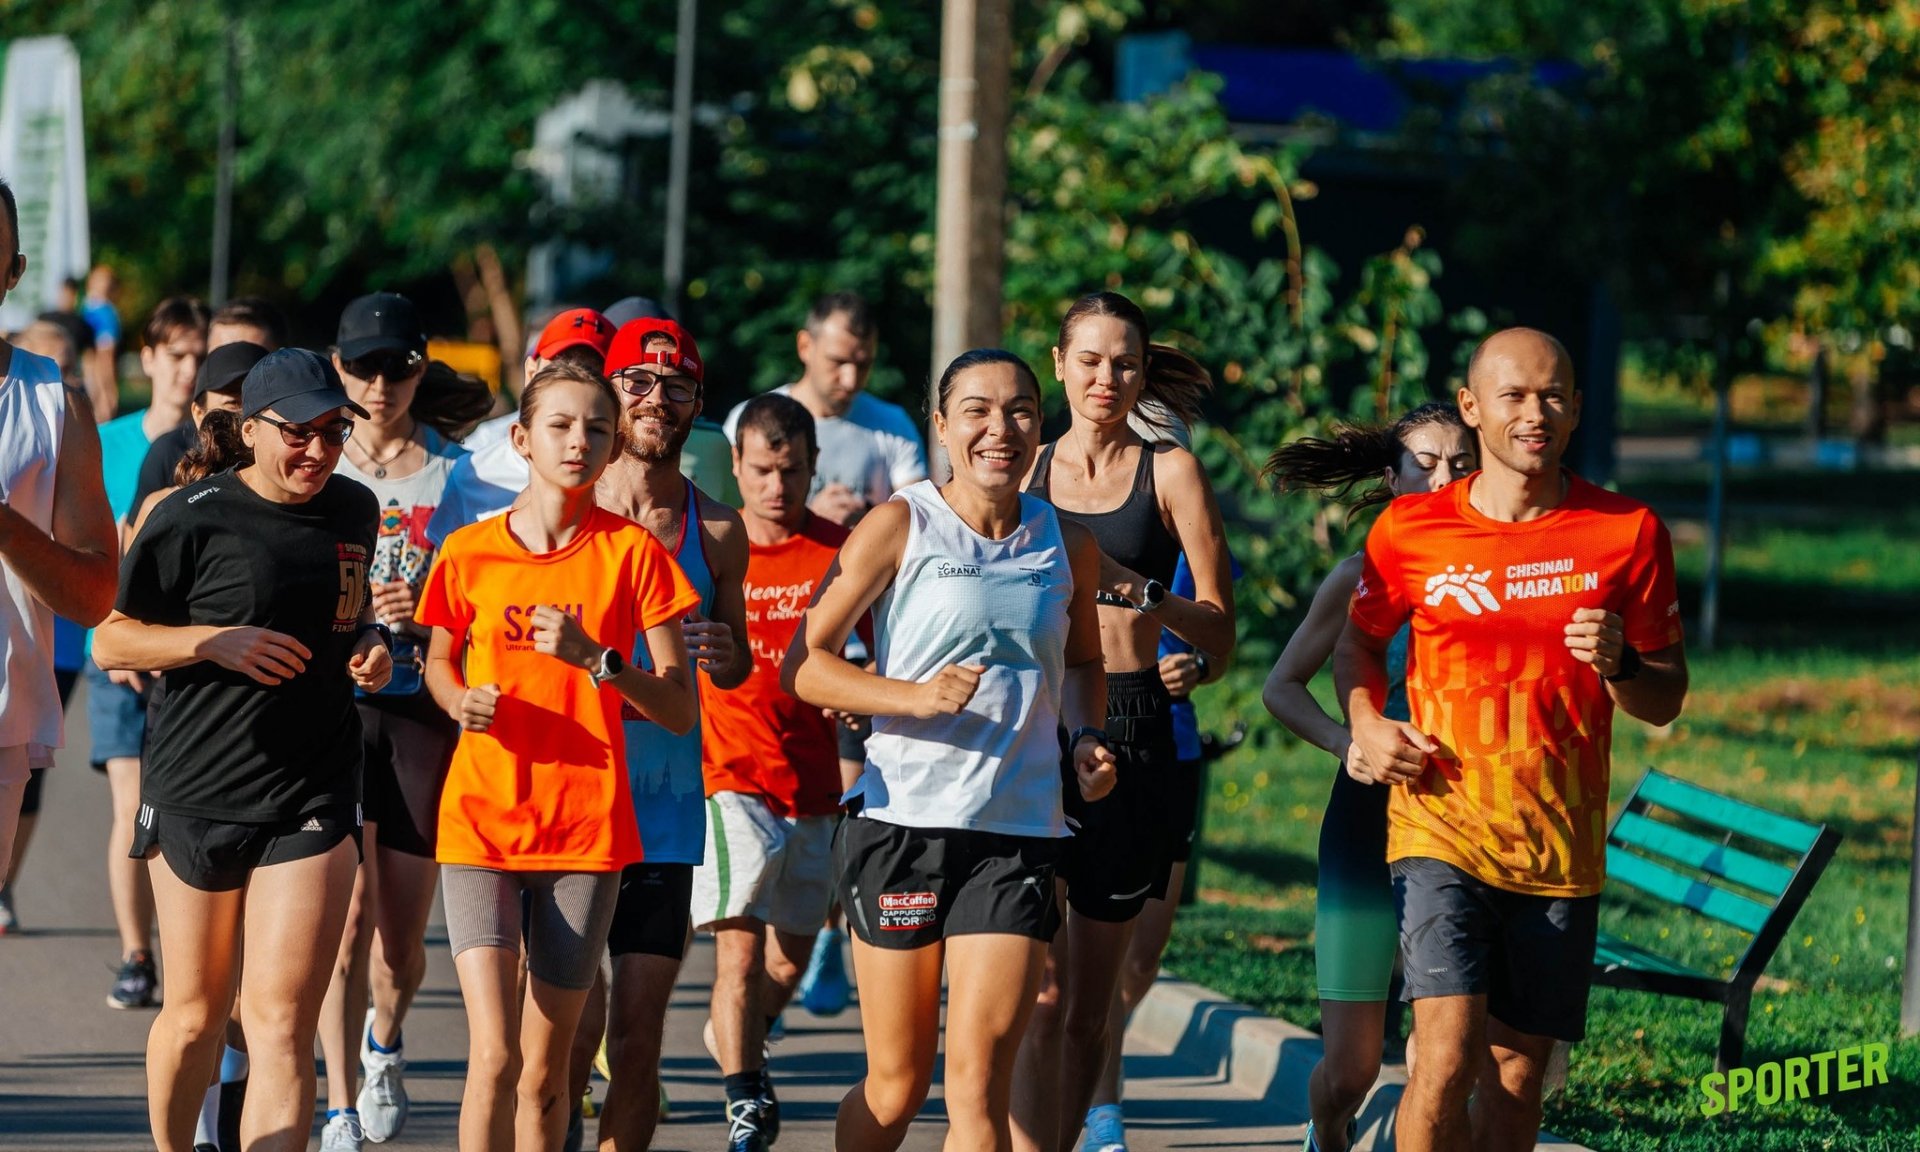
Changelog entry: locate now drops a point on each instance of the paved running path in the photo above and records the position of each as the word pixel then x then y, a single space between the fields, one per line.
pixel 72 1070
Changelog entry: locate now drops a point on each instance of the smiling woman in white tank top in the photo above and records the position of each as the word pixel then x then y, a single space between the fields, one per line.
pixel 988 645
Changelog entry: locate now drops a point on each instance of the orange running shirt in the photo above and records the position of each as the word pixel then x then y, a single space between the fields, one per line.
pixel 545 788
pixel 760 739
pixel 1517 795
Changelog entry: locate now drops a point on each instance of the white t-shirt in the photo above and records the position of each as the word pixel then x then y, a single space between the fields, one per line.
pixel 482 483
pixel 874 449
pixel 33 415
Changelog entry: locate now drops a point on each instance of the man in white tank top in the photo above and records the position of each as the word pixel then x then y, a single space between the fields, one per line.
pixel 57 547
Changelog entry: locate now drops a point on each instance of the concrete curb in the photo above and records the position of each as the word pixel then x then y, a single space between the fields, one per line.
pixel 1264 1057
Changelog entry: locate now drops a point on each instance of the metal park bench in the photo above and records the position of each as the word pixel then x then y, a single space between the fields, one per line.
pixel 1692 863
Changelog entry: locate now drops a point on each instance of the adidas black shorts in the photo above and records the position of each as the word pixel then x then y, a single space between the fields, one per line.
pixel 219 856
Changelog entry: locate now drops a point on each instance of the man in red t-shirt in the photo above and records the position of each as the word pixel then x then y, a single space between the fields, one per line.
pixel 772 763
pixel 1539 602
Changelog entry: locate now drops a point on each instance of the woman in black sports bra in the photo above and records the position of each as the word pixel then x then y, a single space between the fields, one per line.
pixel 1145 504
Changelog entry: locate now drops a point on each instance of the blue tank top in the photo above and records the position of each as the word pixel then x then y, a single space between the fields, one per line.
pixel 1397 649
pixel 669 795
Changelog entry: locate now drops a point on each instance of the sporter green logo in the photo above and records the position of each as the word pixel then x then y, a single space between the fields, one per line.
pixel 1795 1078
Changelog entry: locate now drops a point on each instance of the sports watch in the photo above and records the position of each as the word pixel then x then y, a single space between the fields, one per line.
pixel 1074 738
pixel 1152 596
pixel 1630 665
pixel 611 665
pixel 381 630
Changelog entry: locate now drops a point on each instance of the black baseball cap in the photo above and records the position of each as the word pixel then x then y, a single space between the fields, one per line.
pixel 226 367
pixel 298 385
pixel 382 322
pixel 630 308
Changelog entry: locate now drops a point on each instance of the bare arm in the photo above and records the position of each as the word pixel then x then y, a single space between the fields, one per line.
pixel 73 569
pixel 1384 751
pixel 1286 695
pixel 815 671
pixel 1206 620
pixel 725 657
pixel 664 695
pixel 446 683
pixel 1083 702
pixel 122 642
pixel 1656 693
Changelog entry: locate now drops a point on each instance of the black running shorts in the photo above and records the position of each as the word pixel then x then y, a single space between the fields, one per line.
pixel 409 743
pixel 655 911
pixel 905 888
pixel 1532 956
pixel 1122 851
pixel 219 856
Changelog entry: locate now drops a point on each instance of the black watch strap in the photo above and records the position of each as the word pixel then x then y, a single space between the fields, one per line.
pixel 1082 732
pixel 1630 665
pixel 381 630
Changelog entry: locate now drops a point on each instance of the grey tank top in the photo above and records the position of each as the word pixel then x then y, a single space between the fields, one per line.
pixel 962 598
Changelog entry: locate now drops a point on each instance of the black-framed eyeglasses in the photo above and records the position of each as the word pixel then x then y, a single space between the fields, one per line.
pixel 300 435
pixel 639 383
pixel 391 365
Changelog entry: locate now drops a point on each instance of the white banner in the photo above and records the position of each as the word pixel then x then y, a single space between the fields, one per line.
pixel 43 157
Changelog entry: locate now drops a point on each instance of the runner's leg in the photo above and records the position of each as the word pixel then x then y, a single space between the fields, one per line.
pixel 295 914
pixel 1095 954
pixel 1142 966
pixel 1036 1095
pixel 1506 1101
pixel 900 1022
pixel 127 878
pixel 987 1011
pixel 1450 1034
pixel 344 1010
pixel 642 988
pixel 201 934
pixel 490 987
pixel 739 1026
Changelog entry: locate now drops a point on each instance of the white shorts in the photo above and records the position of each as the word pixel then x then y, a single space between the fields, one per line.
pixel 777 869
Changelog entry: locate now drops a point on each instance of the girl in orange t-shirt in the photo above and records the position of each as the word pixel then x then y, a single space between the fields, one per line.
pixel 531 614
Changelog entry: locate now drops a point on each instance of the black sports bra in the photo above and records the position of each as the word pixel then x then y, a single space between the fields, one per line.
pixel 1133 534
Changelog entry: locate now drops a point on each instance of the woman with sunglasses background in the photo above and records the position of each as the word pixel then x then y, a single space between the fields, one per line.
pixel 249 589
pixel 408 741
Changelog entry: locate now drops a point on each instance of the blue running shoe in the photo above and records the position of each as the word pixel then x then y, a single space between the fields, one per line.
pixel 824 990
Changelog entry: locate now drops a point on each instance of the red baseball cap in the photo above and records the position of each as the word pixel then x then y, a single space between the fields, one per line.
pixel 629 343
pixel 571 329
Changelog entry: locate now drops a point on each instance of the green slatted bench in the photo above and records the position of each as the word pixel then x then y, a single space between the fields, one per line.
pixel 1758 888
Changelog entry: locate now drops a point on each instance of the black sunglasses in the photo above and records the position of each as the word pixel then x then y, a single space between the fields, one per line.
pixel 639 383
pixel 391 365
pixel 300 435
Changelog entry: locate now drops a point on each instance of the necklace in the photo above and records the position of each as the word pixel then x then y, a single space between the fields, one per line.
pixel 380 466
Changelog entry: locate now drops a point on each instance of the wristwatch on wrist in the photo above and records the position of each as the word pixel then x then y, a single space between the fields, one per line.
pixel 1152 596
pixel 1201 664
pixel 1085 730
pixel 1630 665
pixel 611 665
pixel 385 633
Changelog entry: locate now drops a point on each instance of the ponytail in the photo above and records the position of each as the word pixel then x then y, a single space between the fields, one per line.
pixel 450 402
pixel 218 448
pixel 1356 454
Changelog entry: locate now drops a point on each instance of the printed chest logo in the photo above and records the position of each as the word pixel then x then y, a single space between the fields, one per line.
pixel 906 911
pixel 353 586
pixel 1467 589
pixel 950 568
pixel 1548 578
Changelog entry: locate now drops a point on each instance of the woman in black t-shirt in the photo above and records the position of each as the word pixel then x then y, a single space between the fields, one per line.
pixel 249 590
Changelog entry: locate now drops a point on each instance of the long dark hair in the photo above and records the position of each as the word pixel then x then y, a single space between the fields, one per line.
pixel 450 402
pixel 1175 379
pixel 1356 454
pixel 218 448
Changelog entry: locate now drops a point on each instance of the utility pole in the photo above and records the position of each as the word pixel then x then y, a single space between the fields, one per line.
pixel 674 272
pixel 976 62
pixel 223 171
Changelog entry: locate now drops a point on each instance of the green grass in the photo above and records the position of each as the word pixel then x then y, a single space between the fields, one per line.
pixel 1813 709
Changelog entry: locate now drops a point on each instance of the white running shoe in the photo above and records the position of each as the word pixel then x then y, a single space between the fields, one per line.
pixel 1106 1130
pixel 383 1097
pixel 342 1134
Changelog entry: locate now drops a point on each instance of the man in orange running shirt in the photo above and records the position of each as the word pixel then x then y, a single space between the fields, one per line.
pixel 1539 603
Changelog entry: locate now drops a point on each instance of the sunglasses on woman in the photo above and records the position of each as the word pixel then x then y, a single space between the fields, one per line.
pixel 391 365
pixel 300 435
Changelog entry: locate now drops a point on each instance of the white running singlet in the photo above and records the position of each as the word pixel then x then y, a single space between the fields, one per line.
pixel 33 415
pixel 961 598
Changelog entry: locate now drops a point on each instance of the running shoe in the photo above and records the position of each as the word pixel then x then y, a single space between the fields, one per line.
pixel 383 1099
pixel 824 990
pixel 1313 1143
pixel 1106 1131
pixel 134 986
pixel 9 923
pixel 342 1133
pixel 769 1108
pixel 744 1130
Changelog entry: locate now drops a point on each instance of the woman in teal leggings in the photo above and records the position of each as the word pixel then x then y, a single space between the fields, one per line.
pixel 1355 933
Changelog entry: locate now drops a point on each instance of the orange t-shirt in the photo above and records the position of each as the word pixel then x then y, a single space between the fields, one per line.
pixel 1517 794
pixel 545 787
pixel 759 739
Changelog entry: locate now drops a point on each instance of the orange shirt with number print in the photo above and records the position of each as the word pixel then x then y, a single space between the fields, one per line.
pixel 1517 793
pixel 545 787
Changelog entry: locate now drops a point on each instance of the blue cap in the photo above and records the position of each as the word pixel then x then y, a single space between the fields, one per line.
pixel 298 385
